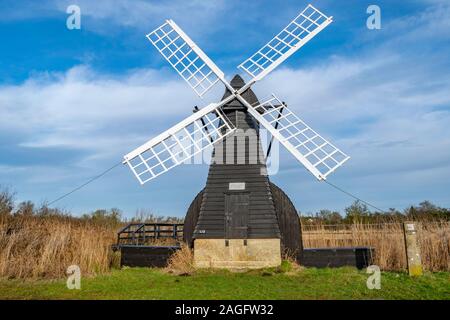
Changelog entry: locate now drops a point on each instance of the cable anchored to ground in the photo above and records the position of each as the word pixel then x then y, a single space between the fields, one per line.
pixel 353 196
pixel 119 163
pixel 84 184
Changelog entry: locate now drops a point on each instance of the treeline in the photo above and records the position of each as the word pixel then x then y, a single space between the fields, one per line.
pixel 112 217
pixel 359 212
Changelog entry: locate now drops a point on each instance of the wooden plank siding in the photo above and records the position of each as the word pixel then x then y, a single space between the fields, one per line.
pixel 247 166
pixel 359 257
pixel 262 220
pixel 270 212
pixel 146 256
pixel 287 219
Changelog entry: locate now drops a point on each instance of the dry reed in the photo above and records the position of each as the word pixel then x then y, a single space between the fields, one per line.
pixel 182 261
pixel 32 247
pixel 388 241
pixel 43 247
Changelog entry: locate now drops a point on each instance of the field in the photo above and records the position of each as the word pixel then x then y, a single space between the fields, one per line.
pixel 36 247
pixel 142 283
pixel 38 244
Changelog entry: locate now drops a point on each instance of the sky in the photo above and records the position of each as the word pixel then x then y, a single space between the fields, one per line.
pixel 74 102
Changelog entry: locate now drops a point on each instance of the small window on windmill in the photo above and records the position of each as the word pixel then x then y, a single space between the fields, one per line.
pixel 236 186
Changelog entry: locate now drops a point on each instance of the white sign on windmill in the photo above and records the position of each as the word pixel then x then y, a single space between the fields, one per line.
pixel 209 125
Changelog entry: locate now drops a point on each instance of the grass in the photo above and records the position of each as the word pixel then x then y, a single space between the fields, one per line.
pixel 34 247
pixel 311 283
pixel 40 243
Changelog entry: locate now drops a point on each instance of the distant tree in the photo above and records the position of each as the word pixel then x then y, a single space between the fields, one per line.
pixel 6 201
pixel 329 217
pixel 357 212
pixel 147 216
pixel 427 211
pixel 110 217
pixel 25 208
pixel 116 214
pixel 45 211
pixel 427 206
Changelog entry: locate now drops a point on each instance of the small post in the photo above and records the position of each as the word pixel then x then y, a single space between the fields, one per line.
pixel 143 233
pixel 413 258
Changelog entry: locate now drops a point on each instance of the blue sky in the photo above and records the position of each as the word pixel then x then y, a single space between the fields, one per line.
pixel 73 102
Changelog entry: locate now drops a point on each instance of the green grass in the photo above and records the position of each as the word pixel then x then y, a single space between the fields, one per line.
pixel 143 283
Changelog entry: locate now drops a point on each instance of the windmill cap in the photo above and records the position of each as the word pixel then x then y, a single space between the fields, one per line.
pixel 237 82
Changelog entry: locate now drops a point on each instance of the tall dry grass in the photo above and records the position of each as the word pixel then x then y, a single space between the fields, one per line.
pixel 42 242
pixel 182 261
pixel 388 241
pixel 32 247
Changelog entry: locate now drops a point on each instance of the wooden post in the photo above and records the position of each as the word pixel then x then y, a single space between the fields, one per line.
pixel 143 233
pixel 412 249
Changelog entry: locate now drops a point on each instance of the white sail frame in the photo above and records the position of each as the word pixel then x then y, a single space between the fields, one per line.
pixel 296 34
pixel 191 63
pixel 179 143
pixel 317 154
pixel 210 125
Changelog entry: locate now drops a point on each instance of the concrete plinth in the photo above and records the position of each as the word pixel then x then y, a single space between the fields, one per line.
pixel 239 253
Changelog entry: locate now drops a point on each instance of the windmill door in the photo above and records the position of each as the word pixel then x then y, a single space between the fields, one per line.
pixel 236 215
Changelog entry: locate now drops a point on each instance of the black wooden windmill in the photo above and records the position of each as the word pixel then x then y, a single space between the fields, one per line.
pixel 240 219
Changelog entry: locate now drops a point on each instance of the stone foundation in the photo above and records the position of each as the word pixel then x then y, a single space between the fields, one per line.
pixel 257 253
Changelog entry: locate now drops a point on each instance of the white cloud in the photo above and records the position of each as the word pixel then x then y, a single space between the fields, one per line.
pixel 107 17
pixel 85 110
pixel 387 126
pixel 387 107
pixel 141 14
pixel 386 121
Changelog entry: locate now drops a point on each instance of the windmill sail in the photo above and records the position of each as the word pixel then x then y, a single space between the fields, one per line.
pixel 297 33
pixel 191 63
pixel 179 143
pixel 210 125
pixel 317 154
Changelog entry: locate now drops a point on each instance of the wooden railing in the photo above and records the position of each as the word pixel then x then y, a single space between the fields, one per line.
pixel 145 233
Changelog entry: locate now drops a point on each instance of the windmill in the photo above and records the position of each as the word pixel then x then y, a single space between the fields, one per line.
pixel 240 219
